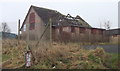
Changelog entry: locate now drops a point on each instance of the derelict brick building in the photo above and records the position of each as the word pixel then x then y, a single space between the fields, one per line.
pixel 64 27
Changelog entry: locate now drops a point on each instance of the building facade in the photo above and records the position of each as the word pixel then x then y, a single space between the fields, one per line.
pixel 65 28
pixel 114 35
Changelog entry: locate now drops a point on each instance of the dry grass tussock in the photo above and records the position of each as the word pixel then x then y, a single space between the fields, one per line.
pixel 12 53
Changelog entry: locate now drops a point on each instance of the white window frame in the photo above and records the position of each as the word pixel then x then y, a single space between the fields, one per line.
pixel 24 28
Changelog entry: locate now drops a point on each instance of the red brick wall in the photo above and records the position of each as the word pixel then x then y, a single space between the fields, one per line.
pixel 76 34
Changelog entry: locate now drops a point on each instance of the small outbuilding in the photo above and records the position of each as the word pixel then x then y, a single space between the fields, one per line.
pixel 114 35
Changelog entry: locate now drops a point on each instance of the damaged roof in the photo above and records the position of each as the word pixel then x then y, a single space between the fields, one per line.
pixel 59 19
pixel 46 14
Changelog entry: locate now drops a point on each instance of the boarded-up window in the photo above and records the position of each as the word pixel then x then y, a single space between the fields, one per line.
pixel 32 21
pixel 82 30
pixel 72 29
pixel 93 31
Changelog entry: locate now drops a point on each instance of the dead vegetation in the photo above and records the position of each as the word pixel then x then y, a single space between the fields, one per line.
pixel 71 56
pixel 12 53
pixel 59 56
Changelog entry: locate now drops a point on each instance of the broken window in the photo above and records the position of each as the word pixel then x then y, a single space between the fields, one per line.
pixel 32 21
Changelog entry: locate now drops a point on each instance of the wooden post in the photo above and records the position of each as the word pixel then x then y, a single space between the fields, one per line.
pixel 18 30
pixel 42 35
pixel 50 32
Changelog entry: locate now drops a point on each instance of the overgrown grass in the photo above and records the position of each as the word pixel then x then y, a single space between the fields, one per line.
pixel 5 57
pixel 12 53
pixel 72 56
pixel 60 56
pixel 114 60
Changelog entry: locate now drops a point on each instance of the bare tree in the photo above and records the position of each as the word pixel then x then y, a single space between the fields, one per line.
pixel 107 25
pixel 5 27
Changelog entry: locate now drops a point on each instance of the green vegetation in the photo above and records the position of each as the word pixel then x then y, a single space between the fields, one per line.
pixel 113 61
pixel 5 57
pixel 12 54
pixel 78 58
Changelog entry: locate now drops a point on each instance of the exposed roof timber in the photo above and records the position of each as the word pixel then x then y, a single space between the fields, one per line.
pixel 46 14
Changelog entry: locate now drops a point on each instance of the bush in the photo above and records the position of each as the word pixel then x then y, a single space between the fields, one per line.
pixel 94 58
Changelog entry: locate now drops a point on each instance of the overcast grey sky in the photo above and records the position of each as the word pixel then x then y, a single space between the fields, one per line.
pixel 92 11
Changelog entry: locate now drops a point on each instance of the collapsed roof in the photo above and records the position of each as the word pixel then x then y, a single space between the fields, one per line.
pixel 59 19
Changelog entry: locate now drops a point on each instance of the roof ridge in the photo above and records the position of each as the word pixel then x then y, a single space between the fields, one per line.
pixel 42 8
